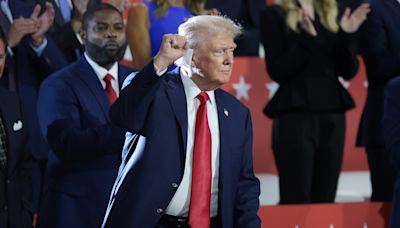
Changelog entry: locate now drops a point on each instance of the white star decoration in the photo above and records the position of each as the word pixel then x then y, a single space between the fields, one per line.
pixel 365 84
pixel 242 89
pixel 345 84
pixel 272 88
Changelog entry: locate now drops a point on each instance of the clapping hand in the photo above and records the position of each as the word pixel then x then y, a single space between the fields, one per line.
pixel 44 21
pixel 307 24
pixel 350 22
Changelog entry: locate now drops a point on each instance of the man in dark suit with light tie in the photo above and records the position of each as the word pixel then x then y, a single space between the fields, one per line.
pixel 15 159
pixel 380 48
pixel 196 168
pixel 73 111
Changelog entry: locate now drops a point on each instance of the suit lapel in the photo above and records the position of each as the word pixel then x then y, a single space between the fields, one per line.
pixel 393 5
pixel 177 99
pixel 224 137
pixel 89 77
pixel 8 116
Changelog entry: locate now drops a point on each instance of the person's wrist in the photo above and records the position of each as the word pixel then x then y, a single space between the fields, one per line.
pixel 36 42
pixel 160 63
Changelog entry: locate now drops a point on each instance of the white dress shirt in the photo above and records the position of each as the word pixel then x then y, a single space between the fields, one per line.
pixel 101 72
pixel 179 205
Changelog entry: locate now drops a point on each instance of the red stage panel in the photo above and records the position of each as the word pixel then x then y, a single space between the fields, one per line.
pixel 344 215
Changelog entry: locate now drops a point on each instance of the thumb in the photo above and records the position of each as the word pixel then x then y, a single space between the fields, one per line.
pixel 346 13
pixel 36 11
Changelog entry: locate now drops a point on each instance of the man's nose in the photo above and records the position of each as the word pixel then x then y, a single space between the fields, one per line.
pixel 228 58
pixel 111 33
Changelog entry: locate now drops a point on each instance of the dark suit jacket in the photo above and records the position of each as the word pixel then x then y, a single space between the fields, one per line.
pixel 15 185
pixel 29 70
pixel 247 13
pixel 391 131
pixel 156 108
pixel 73 111
pixel 306 67
pixel 380 48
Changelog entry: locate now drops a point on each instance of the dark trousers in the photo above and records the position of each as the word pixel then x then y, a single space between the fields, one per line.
pixel 383 174
pixel 308 150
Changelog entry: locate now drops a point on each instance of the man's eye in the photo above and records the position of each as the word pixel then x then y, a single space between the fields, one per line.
pixel 118 27
pixel 100 28
pixel 219 52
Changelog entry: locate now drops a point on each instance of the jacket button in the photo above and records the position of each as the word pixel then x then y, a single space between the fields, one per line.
pixel 160 210
pixel 8 181
pixel 174 185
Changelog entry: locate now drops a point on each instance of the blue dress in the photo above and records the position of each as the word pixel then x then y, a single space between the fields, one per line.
pixel 164 25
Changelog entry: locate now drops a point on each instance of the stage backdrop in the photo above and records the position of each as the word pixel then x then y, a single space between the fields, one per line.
pixel 251 84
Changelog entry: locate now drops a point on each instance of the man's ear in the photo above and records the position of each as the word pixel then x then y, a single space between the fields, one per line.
pixel 82 34
pixel 193 62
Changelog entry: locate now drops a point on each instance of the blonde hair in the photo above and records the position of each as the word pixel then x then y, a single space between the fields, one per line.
pixel 196 6
pixel 195 28
pixel 327 10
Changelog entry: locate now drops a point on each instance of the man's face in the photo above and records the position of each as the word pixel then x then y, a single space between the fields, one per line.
pixel 214 59
pixel 104 37
pixel 2 57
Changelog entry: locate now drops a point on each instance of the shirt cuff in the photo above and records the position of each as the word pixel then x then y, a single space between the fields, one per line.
pixel 39 50
pixel 158 71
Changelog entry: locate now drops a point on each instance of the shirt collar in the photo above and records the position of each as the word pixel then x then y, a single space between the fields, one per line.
pixel 192 90
pixel 101 71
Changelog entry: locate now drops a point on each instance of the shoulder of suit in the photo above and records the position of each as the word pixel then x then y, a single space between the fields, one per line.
pixel 394 83
pixel 126 70
pixel 229 99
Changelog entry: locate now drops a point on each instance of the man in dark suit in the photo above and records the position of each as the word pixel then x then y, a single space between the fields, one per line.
pixel 31 56
pixel 196 169
pixel 380 48
pixel 15 159
pixel 73 112
pixel 391 131
pixel 247 13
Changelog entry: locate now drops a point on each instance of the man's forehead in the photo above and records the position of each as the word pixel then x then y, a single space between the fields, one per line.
pixel 105 15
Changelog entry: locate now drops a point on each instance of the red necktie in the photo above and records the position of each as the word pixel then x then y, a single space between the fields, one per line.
pixel 111 94
pixel 199 211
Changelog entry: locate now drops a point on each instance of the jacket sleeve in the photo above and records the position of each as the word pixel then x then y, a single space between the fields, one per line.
pixel 70 134
pixel 346 54
pixel 130 109
pixel 248 192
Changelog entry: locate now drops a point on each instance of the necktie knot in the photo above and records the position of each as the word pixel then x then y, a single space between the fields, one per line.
pixel 107 78
pixel 203 97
